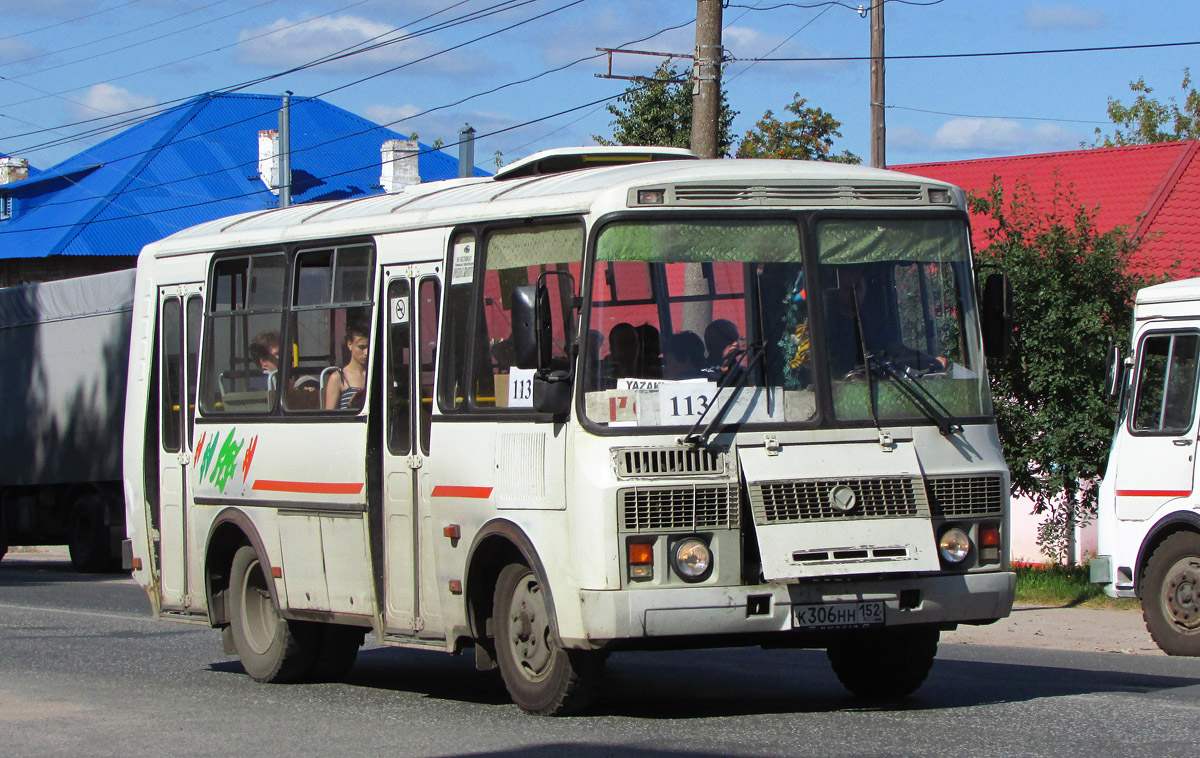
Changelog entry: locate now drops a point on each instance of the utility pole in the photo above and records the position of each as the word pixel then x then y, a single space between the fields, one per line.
pixel 878 125
pixel 706 81
pixel 285 152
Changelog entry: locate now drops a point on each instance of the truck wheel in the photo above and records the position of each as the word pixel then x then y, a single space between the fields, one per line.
pixel 271 648
pixel 87 535
pixel 1171 594
pixel 542 677
pixel 884 665
pixel 337 649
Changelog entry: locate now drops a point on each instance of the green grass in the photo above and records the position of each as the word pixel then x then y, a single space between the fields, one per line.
pixel 1063 587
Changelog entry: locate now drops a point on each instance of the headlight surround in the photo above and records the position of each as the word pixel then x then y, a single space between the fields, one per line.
pixel 954 545
pixel 691 559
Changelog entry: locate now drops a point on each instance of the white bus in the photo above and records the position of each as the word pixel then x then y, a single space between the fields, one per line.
pixel 1149 511
pixel 604 400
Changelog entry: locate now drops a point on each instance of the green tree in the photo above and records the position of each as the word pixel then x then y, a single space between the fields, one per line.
pixel 659 112
pixel 1148 120
pixel 1072 296
pixel 808 137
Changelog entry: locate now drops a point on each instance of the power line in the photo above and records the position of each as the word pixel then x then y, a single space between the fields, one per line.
pixel 1109 48
pixel 140 114
pixel 70 20
pixel 1009 118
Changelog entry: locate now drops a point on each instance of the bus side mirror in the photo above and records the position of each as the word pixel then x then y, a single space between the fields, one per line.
pixel 525 326
pixel 1114 370
pixel 996 313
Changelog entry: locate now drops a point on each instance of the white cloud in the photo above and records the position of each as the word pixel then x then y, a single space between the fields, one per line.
pixel 996 136
pixel 16 49
pixel 105 100
pixel 288 43
pixel 1041 17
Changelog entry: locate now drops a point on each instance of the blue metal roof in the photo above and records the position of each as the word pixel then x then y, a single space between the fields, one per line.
pixel 194 163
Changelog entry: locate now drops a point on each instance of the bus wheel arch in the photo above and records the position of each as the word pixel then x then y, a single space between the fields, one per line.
pixel 498 544
pixel 230 531
pixel 1179 521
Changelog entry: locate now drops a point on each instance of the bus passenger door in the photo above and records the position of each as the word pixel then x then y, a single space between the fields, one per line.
pixel 180 311
pixel 412 297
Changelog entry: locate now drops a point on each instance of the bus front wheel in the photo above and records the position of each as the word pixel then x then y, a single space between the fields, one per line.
pixel 542 677
pixel 1171 594
pixel 885 665
pixel 271 648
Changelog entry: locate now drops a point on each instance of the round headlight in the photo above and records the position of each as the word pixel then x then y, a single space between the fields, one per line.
pixel 691 559
pixel 954 545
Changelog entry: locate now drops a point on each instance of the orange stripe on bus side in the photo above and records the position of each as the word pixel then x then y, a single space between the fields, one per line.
pixel 444 490
pixel 309 488
pixel 1153 493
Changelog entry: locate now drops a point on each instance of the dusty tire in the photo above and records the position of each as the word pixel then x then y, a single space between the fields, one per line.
pixel 271 648
pixel 87 535
pixel 886 665
pixel 541 676
pixel 1171 594
pixel 337 649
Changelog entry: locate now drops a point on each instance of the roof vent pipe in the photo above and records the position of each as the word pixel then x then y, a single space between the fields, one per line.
pixel 400 168
pixel 466 151
pixel 13 170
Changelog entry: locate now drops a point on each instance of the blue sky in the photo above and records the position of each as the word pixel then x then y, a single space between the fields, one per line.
pixel 64 61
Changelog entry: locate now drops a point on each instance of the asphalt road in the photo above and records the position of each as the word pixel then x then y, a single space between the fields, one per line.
pixel 85 671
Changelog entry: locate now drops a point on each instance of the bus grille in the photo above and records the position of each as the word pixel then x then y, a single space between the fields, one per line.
pixel 956 496
pixel 792 194
pixel 808 500
pixel 681 508
pixel 667 461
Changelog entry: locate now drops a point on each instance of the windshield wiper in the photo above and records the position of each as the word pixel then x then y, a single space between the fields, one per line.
pixel 751 354
pixel 925 400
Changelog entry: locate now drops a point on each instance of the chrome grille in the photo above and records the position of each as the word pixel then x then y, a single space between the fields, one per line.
pixel 682 508
pixel 956 496
pixel 667 461
pixel 791 194
pixel 808 499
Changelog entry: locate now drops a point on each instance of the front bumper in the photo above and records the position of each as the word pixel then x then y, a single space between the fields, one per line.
pixel 763 609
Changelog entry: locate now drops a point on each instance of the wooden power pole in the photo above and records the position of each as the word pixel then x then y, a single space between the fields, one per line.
pixel 706 79
pixel 878 124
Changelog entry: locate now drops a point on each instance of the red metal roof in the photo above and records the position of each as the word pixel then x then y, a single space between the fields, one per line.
pixel 1152 189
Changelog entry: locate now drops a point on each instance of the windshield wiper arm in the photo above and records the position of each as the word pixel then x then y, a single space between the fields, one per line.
pixel 920 397
pixel 691 438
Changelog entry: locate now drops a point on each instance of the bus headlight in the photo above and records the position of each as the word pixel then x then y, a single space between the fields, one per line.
pixel 691 559
pixel 954 545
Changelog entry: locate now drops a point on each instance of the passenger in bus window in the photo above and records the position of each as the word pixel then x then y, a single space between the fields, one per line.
pixel 264 349
pixel 623 354
pixel 684 356
pixel 650 364
pixel 722 342
pixel 347 385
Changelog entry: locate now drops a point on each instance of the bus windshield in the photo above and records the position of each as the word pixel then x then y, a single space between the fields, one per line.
pixel 717 317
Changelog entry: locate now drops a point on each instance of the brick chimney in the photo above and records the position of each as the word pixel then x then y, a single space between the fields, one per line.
pixel 399 164
pixel 13 170
pixel 268 159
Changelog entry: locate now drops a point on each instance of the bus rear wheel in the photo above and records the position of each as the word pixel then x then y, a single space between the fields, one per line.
pixel 542 677
pixel 88 535
pixel 271 648
pixel 1171 595
pixel 885 665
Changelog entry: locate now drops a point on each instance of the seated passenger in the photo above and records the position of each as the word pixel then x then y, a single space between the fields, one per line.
pixel 623 353
pixel 684 356
pixel 649 353
pixel 722 343
pixel 264 350
pixel 347 386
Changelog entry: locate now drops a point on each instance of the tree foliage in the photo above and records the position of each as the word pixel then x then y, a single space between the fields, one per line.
pixel 808 137
pixel 1148 120
pixel 1072 296
pixel 659 112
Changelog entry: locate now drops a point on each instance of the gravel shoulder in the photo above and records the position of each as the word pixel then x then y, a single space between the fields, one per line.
pixel 1081 629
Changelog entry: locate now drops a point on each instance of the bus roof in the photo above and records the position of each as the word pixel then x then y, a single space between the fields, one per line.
pixel 1170 292
pixel 686 183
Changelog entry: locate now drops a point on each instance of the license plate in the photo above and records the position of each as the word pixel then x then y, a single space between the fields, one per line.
pixel 838 615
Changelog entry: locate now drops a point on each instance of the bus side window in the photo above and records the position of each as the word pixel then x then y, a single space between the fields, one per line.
pixel 247 301
pixel 1166 386
pixel 429 293
pixel 328 326
pixel 399 369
